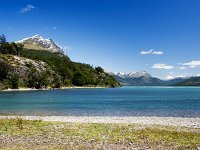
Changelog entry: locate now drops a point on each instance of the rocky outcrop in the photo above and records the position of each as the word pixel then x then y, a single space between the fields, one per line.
pixel 20 65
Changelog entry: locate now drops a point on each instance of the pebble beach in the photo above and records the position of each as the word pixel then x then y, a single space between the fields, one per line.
pixel 165 121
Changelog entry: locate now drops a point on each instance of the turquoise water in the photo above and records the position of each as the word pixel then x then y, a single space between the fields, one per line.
pixel 124 101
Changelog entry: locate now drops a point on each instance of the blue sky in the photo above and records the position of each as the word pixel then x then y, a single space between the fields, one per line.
pixel 161 37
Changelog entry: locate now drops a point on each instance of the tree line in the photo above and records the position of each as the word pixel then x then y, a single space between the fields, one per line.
pixel 10 48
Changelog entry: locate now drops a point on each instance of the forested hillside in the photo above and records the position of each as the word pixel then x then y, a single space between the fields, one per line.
pixel 20 67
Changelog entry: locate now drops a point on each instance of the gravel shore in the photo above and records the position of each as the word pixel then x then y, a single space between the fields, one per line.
pixel 166 121
pixel 70 87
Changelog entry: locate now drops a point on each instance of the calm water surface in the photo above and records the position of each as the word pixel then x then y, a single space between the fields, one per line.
pixel 124 101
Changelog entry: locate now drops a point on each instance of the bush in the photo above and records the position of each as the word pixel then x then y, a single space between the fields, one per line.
pixel 19 123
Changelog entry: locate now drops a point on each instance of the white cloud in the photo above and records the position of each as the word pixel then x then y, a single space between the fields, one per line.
pixel 146 52
pixel 182 68
pixel 27 9
pixel 162 66
pixel 54 28
pixel 192 64
pixel 151 52
pixel 157 53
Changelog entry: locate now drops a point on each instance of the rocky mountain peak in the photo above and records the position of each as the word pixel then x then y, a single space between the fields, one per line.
pixel 39 43
pixel 132 74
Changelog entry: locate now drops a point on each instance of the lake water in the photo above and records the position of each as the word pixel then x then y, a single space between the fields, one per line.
pixel 123 101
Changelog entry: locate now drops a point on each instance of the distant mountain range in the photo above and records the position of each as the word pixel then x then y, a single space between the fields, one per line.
pixel 143 78
pixel 136 78
pixel 37 42
pixel 193 81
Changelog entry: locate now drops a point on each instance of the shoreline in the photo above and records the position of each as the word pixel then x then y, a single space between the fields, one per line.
pixel 164 121
pixel 47 89
pixel 85 87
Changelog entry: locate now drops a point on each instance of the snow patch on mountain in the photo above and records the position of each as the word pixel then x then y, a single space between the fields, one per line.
pixel 172 77
pixel 132 74
pixel 47 44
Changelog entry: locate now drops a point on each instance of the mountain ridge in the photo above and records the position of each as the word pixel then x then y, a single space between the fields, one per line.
pixel 193 81
pixel 143 78
pixel 37 42
pixel 132 74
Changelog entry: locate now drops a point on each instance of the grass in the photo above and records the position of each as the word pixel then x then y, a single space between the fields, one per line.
pixel 57 135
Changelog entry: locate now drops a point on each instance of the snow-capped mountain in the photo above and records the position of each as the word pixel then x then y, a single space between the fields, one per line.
pixel 132 74
pixel 136 78
pixel 39 43
pixel 143 78
pixel 172 77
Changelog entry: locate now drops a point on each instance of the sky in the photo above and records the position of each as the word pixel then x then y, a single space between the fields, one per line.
pixel 161 37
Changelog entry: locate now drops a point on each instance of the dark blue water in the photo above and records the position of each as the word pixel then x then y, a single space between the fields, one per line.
pixel 124 101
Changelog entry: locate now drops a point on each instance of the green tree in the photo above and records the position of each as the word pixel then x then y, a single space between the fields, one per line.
pixel 14 81
pixel 10 48
pixel 33 77
pixel 57 83
pixel 4 69
pixel 44 79
pixel 1 86
pixel 79 79
pixel 67 82
pixel 2 41
pixel 2 38
pixel 20 48
pixel 99 69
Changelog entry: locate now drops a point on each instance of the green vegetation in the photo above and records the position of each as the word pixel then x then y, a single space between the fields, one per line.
pixel 72 73
pixel 54 135
pixel 45 69
pixel 10 48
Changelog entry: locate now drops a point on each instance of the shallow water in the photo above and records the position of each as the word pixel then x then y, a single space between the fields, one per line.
pixel 124 101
